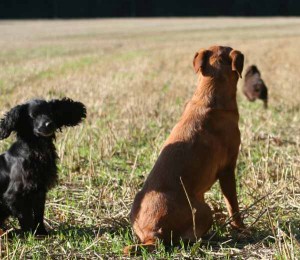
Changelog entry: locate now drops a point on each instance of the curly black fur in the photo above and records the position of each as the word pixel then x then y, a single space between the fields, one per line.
pixel 28 169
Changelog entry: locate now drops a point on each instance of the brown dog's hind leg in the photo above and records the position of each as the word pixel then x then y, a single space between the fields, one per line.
pixel 135 250
pixel 187 230
pixel 202 222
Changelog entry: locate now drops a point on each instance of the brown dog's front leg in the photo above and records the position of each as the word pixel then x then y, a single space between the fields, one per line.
pixel 228 186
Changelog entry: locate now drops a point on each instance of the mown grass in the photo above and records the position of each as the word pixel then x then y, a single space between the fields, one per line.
pixel 135 77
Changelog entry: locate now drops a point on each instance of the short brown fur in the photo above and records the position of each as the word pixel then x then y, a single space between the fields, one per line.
pixel 201 149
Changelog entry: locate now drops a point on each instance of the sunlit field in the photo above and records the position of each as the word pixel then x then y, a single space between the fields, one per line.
pixel 135 76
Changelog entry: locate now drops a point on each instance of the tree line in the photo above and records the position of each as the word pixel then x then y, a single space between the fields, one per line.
pixel 145 8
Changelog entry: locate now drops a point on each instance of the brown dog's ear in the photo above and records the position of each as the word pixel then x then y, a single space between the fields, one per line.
pixel 237 62
pixel 200 60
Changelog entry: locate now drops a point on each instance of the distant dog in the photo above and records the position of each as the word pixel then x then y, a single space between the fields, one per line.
pixel 201 149
pixel 28 169
pixel 254 87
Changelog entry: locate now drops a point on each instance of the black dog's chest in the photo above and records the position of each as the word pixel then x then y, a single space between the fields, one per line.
pixel 33 167
pixel 41 169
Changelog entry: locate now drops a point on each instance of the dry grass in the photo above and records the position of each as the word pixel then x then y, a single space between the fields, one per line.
pixel 134 77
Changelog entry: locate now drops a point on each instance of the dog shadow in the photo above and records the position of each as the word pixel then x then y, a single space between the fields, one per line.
pixel 242 242
pixel 232 242
pixel 67 230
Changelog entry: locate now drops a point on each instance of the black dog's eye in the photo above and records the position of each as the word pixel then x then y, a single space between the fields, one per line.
pixel 32 115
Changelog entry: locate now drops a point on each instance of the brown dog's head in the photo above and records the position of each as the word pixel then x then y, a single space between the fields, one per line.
pixel 219 62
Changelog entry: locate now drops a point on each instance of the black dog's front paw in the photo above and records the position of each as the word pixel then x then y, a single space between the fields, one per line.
pixel 41 231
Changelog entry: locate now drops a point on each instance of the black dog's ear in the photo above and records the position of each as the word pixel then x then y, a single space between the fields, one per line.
pixel 67 112
pixel 11 120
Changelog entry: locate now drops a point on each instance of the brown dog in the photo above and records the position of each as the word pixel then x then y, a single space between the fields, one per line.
pixel 254 87
pixel 201 149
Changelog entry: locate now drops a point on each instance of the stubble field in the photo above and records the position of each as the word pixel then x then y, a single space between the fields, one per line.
pixel 134 76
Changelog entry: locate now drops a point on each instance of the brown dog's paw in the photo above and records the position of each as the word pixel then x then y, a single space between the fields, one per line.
pixel 238 224
pixel 135 250
pixel 242 232
pixel 245 235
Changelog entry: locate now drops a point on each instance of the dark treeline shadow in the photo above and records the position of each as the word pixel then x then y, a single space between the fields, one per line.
pixel 20 9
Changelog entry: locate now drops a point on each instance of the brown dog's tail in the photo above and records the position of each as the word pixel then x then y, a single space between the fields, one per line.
pixel 136 250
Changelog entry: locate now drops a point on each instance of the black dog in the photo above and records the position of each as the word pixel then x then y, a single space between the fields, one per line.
pixel 28 169
pixel 254 86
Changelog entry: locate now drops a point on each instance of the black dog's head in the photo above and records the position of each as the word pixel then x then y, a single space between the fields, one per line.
pixel 40 118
